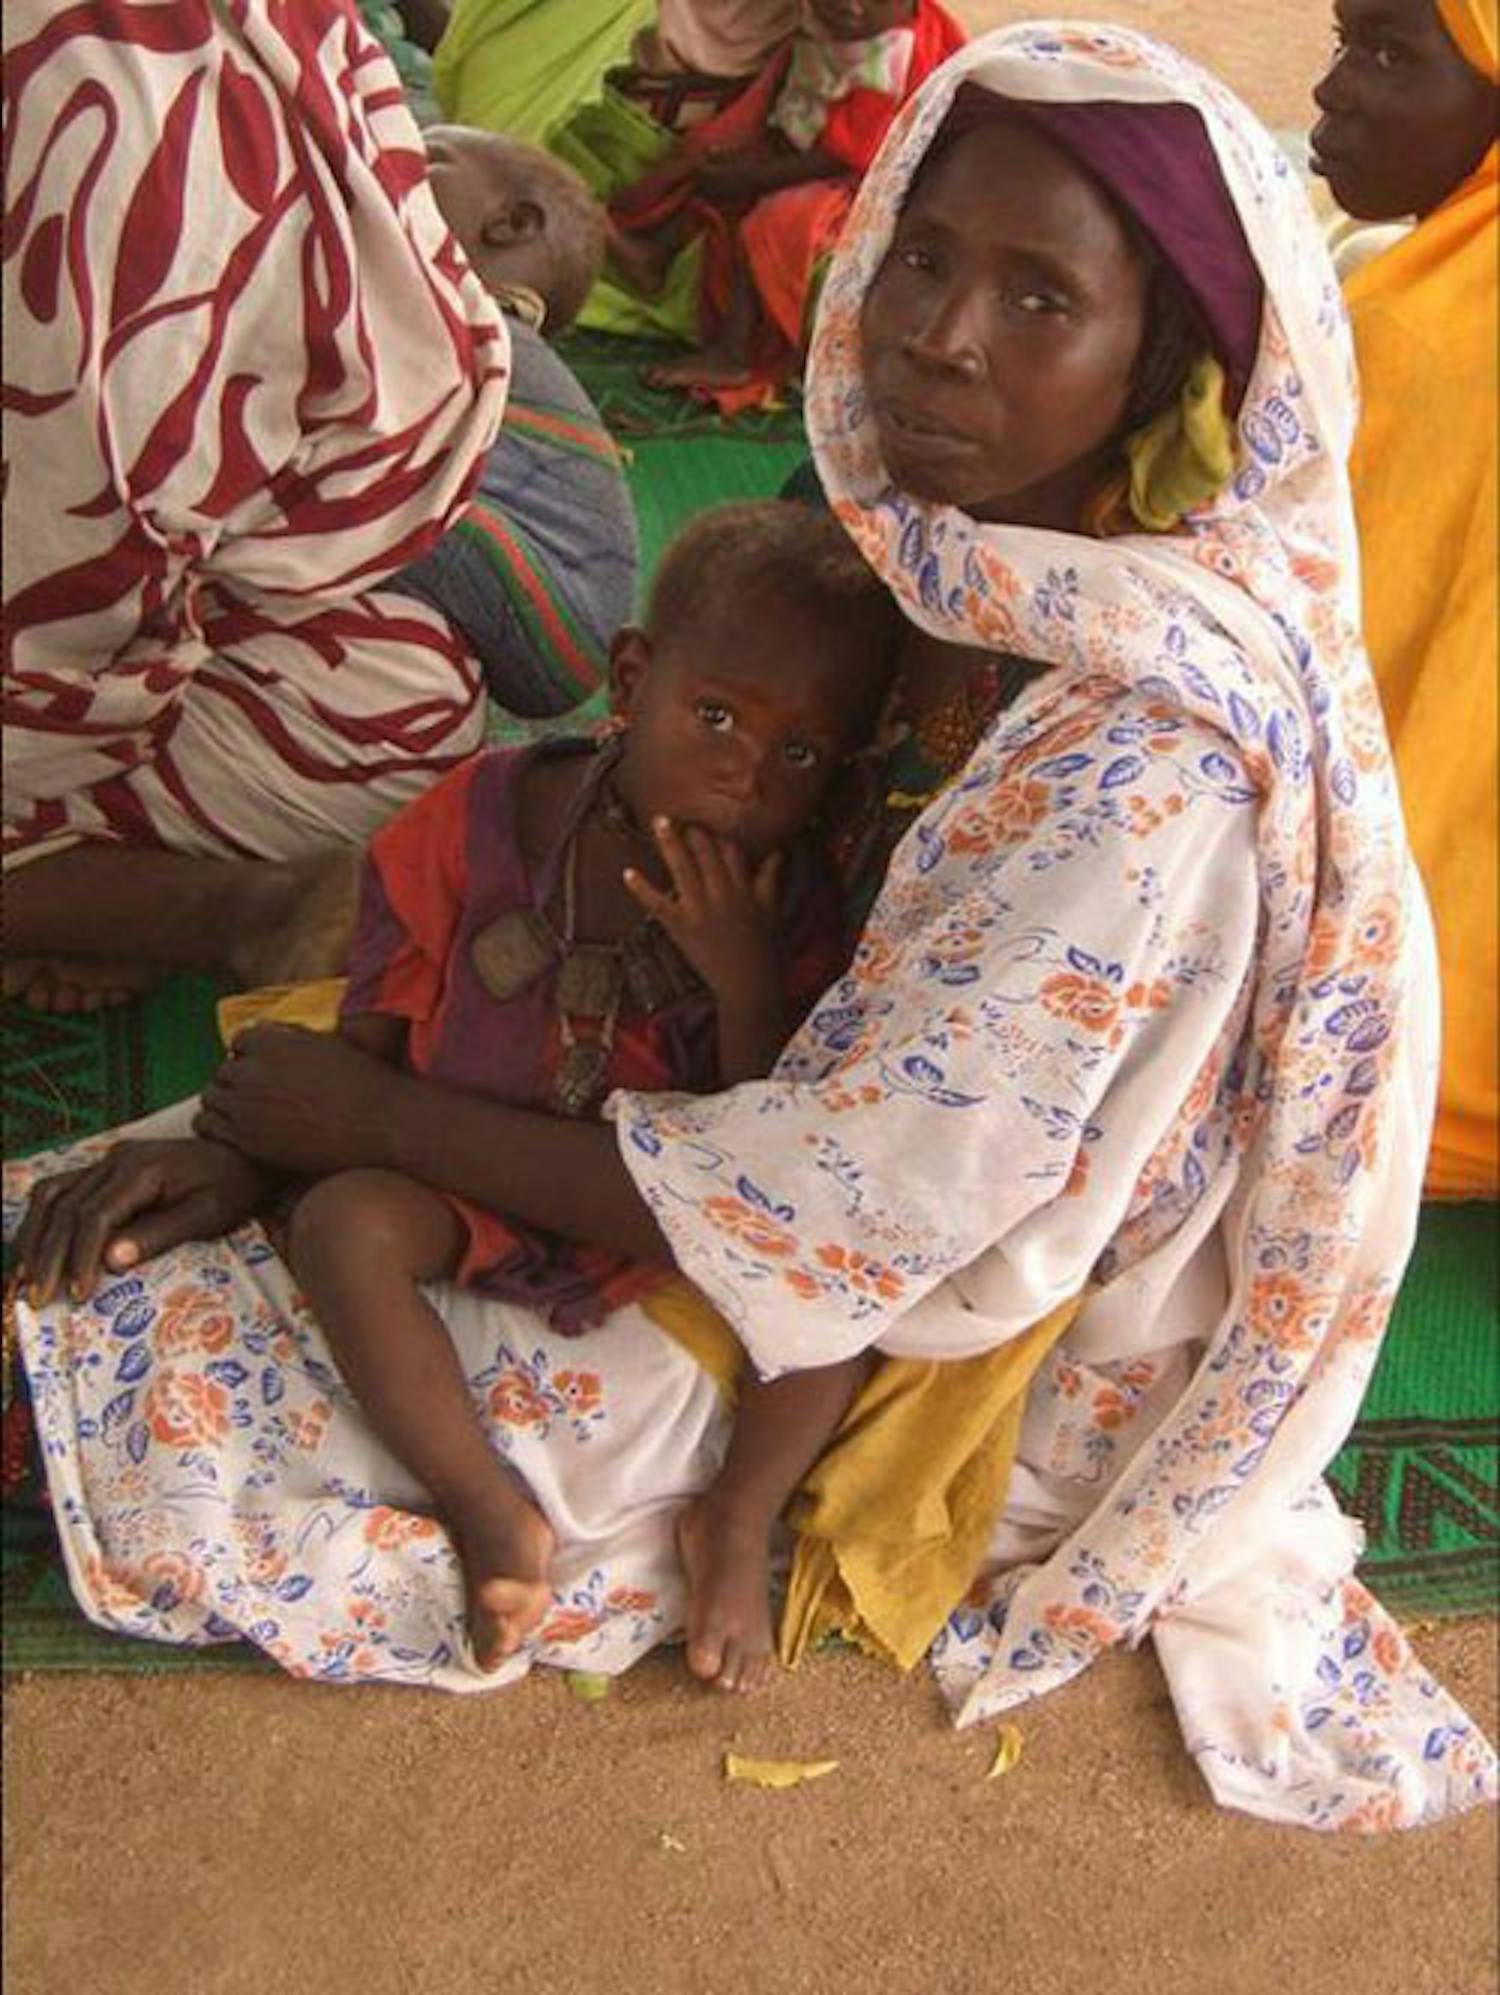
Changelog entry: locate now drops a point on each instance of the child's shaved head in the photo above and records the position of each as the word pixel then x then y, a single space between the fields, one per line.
pixel 730 557
pixel 523 217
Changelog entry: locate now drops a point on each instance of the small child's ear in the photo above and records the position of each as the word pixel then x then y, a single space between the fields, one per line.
pixel 513 222
pixel 629 662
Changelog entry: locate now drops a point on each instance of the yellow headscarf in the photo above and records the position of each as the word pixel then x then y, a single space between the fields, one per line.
pixel 1472 25
pixel 1425 328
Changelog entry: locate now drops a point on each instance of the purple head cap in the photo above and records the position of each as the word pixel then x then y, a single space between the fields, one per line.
pixel 1158 164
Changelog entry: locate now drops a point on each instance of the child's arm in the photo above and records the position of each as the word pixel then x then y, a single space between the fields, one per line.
pixel 741 177
pixel 721 913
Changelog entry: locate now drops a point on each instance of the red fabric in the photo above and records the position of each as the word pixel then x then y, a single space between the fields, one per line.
pixel 857 124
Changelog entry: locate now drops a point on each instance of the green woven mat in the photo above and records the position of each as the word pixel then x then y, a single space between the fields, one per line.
pixel 1420 1468
pixel 611 371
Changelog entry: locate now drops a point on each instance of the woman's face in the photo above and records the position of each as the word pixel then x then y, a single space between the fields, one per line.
pixel 1405 117
pixel 1001 331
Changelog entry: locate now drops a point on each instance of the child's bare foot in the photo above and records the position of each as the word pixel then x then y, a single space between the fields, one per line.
pixel 727 1561
pixel 506 1557
pixel 708 369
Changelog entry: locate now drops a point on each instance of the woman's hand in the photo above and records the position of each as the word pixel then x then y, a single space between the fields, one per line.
pixel 305 1102
pixel 133 1204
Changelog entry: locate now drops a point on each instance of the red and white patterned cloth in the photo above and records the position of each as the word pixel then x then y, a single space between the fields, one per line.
pixel 247 376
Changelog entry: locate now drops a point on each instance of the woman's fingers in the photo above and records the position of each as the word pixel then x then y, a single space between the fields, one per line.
pixel 129 1190
pixel 38 1257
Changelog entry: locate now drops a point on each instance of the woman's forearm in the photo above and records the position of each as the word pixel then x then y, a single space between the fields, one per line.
pixel 543 1170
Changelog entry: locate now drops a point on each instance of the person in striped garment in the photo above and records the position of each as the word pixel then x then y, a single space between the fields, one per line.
pixel 253 374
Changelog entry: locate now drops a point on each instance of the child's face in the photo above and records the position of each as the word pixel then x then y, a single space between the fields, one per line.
pixel 857 20
pixel 503 231
pixel 738 723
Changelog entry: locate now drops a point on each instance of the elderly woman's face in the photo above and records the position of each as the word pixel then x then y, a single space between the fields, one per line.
pixel 1405 117
pixel 1001 331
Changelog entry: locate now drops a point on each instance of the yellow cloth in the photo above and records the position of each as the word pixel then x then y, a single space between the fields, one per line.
pixel 892 1523
pixel 1185 455
pixel 1423 470
pixel 314 1005
pixel 1473 25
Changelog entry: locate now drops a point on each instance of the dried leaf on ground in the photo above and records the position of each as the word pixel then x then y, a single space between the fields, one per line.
pixel 587 1686
pixel 776 1772
pixel 1007 1751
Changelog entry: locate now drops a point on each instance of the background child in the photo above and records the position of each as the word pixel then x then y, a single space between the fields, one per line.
pixel 769 184
pixel 551 522
pixel 553 922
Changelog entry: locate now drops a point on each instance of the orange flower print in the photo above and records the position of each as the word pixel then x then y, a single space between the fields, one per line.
pixel 191 1321
pixel 109 1591
pixel 187 1410
pixel 169 1580
pixel 1000 816
pixel 629 1600
pixel 1324 948
pixel 1155 996
pixel 583 1392
pixel 746 1222
pixel 387 1529
pixel 1080 1621
pixel 1111 1409
pixel 569 1624
pixel 514 1400
pixel 1282 1308
pixel 1377 933
pixel 1085 1001
pixel 1389 1649
pixel 306 1425
pixel 861 1273
pixel 874 960
pixel 1068 1379
pixel 1078 1175
pixel 836 1099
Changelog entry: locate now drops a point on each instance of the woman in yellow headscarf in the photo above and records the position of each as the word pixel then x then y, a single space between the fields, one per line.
pixel 1409 127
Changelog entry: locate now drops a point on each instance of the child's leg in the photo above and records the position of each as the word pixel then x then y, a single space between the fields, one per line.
pixel 725 362
pixel 643 257
pixel 724 1537
pixel 359 1245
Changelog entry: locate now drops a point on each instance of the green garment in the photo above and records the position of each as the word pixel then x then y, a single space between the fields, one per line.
pixel 521 66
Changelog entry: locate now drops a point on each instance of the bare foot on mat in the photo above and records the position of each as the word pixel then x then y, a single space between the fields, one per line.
pixel 68 985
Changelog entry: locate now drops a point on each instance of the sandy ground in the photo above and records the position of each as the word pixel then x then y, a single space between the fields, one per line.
pixel 225 1836
pixel 232 1836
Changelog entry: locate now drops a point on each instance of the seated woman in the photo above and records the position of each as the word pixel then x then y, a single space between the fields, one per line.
pixel 762 191
pixel 1409 119
pixel 211 682
pixel 1132 1066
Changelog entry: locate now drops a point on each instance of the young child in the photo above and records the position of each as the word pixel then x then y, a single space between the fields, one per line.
pixel 768 185
pixel 551 523
pixel 553 922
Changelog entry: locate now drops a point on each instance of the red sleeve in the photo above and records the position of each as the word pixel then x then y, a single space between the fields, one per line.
pixel 856 125
pixel 411 895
